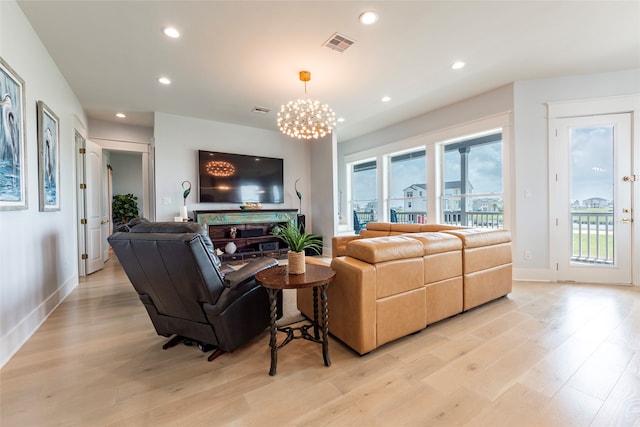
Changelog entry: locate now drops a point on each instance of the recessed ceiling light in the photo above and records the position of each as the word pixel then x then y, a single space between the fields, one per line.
pixel 340 119
pixel 164 80
pixel 385 99
pixel 121 115
pixel 171 32
pixel 369 17
pixel 457 65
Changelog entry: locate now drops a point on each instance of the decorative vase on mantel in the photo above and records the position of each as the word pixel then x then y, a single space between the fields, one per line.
pixel 296 262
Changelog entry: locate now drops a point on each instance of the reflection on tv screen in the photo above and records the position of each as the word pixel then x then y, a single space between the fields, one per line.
pixel 238 178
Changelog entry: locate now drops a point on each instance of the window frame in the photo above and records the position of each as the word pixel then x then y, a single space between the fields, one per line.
pixel 432 141
pixel 469 143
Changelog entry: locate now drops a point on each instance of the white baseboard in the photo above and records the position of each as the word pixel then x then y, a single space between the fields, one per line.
pixel 16 337
pixel 534 275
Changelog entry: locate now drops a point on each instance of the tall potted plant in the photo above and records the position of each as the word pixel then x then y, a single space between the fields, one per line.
pixel 124 207
pixel 298 241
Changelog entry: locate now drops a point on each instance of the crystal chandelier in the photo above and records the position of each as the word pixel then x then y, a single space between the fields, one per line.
pixel 304 118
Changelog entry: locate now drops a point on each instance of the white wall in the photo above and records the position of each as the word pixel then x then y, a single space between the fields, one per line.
pixel 323 190
pixel 178 139
pixel 531 156
pixel 487 104
pixel 38 250
pixel 99 129
pixel 528 154
pixel 127 175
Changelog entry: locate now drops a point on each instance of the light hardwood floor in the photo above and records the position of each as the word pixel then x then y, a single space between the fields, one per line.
pixel 547 355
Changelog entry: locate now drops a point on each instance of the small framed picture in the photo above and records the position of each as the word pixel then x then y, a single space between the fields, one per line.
pixel 13 167
pixel 48 158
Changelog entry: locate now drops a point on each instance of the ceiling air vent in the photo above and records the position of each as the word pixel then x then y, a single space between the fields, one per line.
pixel 260 110
pixel 339 42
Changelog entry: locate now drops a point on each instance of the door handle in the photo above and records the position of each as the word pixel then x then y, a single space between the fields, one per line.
pixel 626 220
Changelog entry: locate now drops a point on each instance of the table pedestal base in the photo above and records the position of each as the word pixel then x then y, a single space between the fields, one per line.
pixel 303 329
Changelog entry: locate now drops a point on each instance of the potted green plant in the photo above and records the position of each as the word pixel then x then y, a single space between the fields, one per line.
pixel 124 207
pixel 298 241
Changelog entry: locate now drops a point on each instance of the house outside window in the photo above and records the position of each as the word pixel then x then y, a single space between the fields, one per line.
pixel 469 179
pixel 407 187
pixel 473 182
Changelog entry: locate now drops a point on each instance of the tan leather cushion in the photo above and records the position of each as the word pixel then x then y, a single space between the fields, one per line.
pixel 367 234
pixel 440 227
pixel 351 301
pixel 434 243
pixel 399 315
pixel 405 228
pixel 381 249
pixel 339 245
pixel 475 237
pixel 390 227
pixel 481 258
pixel 379 226
pixel 442 266
pixel 444 299
pixel 395 277
pixel 486 285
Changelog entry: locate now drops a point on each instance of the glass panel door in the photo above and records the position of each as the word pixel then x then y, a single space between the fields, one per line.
pixel 593 223
pixel 591 194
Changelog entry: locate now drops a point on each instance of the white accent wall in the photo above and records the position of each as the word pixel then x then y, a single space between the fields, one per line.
pixel 530 174
pixel 38 250
pixel 324 190
pixel 178 139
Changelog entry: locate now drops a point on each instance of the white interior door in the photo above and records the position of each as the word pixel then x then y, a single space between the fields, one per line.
pixel 107 225
pixel 94 212
pixel 591 219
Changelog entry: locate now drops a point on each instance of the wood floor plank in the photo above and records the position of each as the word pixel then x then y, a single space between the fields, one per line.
pixel 517 406
pixel 547 355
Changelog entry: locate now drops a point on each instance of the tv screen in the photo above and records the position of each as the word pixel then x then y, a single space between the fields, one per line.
pixel 237 178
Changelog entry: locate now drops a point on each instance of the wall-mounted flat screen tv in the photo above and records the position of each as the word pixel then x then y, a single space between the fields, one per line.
pixel 238 178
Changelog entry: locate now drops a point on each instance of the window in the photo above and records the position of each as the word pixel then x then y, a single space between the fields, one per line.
pixel 407 186
pixel 472 193
pixel 364 192
pixel 451 176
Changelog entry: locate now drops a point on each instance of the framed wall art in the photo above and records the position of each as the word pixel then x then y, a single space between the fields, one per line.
pixel 48 158
pixel 13 168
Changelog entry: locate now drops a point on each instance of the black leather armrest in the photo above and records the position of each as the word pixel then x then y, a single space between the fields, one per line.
pixel 248 272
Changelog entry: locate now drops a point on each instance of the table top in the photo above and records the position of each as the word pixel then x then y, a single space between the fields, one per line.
pixel 279 278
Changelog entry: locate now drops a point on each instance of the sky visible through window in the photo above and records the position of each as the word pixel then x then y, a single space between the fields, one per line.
pixel 591 163
pixel 364 184
pixel 485 173
pixel 485 167
pixel 406 172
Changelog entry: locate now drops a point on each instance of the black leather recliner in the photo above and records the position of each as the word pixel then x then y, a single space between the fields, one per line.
pixel 177 275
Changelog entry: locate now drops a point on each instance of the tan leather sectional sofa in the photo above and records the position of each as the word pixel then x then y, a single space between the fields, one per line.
pixel 395 279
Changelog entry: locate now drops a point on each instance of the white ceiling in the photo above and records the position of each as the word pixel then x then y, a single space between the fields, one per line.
pixel 234 55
